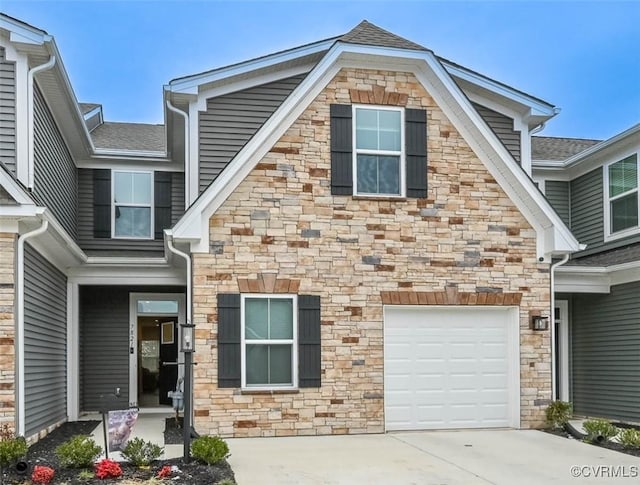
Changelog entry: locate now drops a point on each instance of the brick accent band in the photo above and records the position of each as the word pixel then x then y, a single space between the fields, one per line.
pixel 378 95
pixel 449 297
pixel 268 283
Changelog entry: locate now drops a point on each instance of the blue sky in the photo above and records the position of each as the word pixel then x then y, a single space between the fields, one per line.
pixel 582 56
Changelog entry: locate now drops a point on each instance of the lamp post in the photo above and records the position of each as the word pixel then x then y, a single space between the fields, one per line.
pixel 187 344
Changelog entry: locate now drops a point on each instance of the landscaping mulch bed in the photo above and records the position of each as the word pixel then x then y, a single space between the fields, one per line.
pixel 173 431
pixel 43 453
pixel 610 445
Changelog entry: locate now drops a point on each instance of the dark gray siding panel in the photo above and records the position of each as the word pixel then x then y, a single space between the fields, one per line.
pixel 7 112
pixel 606 353
pixel 93 245
pixel 557 193
pixel 231 120
pixel 586 208
pixel 502 126
pixel 55 175
pixel 177 196
pixel 45 342
pixel 104 341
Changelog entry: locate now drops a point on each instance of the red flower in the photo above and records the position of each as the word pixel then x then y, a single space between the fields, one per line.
pixel 164 472
pixel 108 469
pixel 42 475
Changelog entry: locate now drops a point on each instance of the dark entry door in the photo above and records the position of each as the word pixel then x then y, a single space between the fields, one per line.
pixel 168 374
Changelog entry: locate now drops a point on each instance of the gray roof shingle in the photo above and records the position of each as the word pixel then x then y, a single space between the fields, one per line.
pixel 621 255
pixel 86 107
pixel 556 148
pixel 370 34
pixel 129 136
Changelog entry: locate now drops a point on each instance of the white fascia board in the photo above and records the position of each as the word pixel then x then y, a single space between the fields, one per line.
pixel 594 149
pixel 137 275
pixel 126 261
pixel 22 33
pixel 131 164
pixel 450 99
pixel 134 154
pixel 14 189
pixel 570 279
pixel 190 85
pixel 538 108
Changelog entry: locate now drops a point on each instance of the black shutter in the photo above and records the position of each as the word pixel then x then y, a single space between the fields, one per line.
pixel 101 203
pixel 341 150
pixel 229 340
pixel 308 341
pixel 415 122
pixel 162 202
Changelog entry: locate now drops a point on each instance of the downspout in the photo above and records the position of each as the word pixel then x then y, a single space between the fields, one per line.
pixel 187 424
pixel 20 380
pixel 30 116
pixel 187 165
pixel 554 362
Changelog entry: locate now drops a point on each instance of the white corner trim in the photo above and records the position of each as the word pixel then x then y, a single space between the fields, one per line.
pixel 73 351
pixel 194 155
pixel 553 235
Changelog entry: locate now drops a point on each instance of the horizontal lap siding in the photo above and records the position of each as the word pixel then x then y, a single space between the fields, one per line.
pixel 606 353
pixel 45 337
pixel 55 174
pixel 230 121
pixel 587 214
pixel 7 112
pixel 177 196
pixel 502 126
pixel 557 193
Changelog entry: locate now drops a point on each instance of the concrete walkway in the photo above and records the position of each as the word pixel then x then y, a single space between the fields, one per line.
pixel 500 457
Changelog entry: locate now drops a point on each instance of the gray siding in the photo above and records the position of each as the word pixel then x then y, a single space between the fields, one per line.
pixel 45 342
pixel 587 213
pixel 104 341
pixel 85 219
pixel 7 112
pixel 55 176
pixel 557 193
pixel 230 121
pixel 606 353
pixel 502 126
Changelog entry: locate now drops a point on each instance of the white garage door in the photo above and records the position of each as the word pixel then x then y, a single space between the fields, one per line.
pixel 451 367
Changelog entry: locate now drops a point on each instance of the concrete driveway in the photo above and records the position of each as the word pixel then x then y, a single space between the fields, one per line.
pixel 498 457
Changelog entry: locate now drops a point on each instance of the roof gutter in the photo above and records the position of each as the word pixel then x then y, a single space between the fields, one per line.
pixel 187 163
pixel 31 115
pixel 20 381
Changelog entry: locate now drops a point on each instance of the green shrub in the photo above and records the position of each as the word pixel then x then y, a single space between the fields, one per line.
pixel 79 451
pixel 209 449
pixel 140 452
pixel 599 430
pixel 559 413
pixel 12 447
pixel 630 438
pixel 85 475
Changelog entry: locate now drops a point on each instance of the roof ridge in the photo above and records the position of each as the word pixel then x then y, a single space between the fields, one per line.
pixel 370 34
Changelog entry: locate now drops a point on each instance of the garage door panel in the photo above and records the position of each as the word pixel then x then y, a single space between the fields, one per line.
pixel 448 368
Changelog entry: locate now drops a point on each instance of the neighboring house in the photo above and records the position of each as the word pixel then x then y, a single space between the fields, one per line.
pixel 365 246
pixel 594 188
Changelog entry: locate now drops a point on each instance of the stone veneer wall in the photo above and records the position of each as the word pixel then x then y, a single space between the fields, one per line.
pixel 7 329
pixel 467 240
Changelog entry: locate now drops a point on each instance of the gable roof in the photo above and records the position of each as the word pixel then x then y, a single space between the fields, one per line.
pixel 558 148
pixel 552 234
pixel 367 33
pixel 129 136
pixel 86 107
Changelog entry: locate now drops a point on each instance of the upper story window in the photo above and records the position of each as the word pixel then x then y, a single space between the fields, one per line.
pixel 378 155
pixel 622 193
pixel 132 213
pixel 269 331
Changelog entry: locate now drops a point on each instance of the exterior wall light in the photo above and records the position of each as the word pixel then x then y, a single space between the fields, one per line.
pixel 539 323
pixel 187 337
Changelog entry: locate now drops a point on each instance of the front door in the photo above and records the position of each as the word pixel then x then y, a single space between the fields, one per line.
pixel 168 360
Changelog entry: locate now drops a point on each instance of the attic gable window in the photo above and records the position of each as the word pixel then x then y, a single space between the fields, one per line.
pixel 378 155
pixel 132 205
pixel 622 191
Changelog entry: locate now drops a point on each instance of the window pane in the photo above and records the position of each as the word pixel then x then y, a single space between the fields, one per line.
pixel 389 130
pixel 157 306
pixel 257 364
pixel 133 222
pixel 367 176
pixel 281 318
pixel 256 318
pixel 123 187
pixel 624 212
pixel 141 188
pixel 623 176
pixel 389 175
pixel 280 364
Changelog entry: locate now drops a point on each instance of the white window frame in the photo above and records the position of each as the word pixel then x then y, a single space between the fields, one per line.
pixel 293 342
pixel 400 153
pixel 150 205
pixel 612 236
